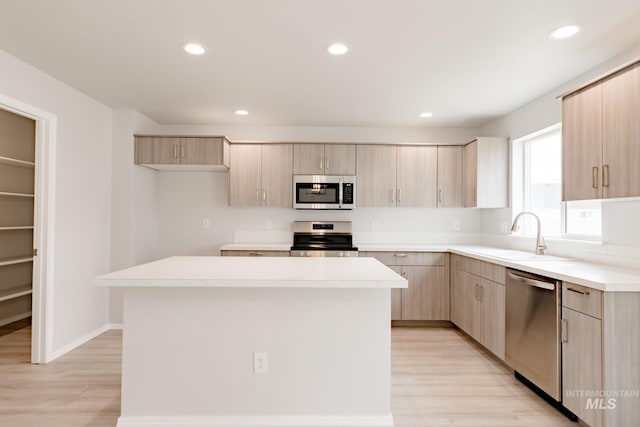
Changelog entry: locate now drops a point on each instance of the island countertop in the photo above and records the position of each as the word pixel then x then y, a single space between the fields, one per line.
pixel 247 272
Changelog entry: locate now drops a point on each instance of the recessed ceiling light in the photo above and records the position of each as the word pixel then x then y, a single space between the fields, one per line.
pixel 338 49
pixel 242 112
pixel 193 48
pixel 425 115
pixel 565 32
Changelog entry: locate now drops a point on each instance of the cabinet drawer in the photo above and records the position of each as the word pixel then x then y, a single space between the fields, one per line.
pixel 582 299
pixel 493 272
pixel 254 253
pixel 407 258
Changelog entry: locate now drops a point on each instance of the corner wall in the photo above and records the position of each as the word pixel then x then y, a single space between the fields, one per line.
pixel 620 228
pixel 82 200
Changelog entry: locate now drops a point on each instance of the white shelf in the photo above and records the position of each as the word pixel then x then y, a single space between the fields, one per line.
pixel 15 292
pixel 17 227
pixel 15 162
pixel 16 260
pixel 4 193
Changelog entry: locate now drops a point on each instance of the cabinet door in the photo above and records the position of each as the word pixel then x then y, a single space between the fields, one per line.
pixel 201 151
pixel 427 297
pixel 153 150
pixel 582 145
pixel 581 363
pixel 417 176
pixel 450 176
pixel 621 135
pixel 245 175
pixel 376 175
pixel 469 174
pixel 277 175
pixel 340 159
pixel 454 290
pixel 308 159
pixel 469 291
pixel 396 295
pixel 492 172
pixel 491 316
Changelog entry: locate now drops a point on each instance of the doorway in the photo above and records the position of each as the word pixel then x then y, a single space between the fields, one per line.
pixel 27 142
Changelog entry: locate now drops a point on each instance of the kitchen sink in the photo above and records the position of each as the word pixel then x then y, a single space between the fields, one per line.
pixel 514 255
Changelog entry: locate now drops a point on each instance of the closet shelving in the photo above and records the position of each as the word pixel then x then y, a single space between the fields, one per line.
pixel 17 171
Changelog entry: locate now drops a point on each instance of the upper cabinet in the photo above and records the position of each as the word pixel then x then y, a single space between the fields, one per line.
pixel 261 175
pixel 182 153
pixel 485 175
pixel 324 159
pixel 403 176
pixel 601 138
pixel 450 176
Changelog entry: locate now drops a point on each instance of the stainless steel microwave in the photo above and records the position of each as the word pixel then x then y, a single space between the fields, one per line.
pixel 324 192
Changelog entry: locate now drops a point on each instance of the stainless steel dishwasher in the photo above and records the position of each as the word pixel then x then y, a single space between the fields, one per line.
pixel 532 342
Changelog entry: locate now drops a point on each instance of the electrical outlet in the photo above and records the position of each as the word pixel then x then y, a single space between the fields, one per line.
pixel 504 227
pixel 268 224
pixel 206 223
pixel 260 364
pixel 456 225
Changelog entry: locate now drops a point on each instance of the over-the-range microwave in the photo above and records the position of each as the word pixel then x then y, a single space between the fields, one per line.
pixel 324 192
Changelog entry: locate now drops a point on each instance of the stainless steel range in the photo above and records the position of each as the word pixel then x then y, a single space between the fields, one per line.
pixel 323 239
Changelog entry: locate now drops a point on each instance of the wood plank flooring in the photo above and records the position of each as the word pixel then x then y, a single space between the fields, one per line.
pixel 440 377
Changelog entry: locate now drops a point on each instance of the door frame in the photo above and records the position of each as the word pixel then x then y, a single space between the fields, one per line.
pixel 43 221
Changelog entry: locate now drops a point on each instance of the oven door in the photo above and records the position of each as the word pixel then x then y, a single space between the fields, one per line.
pixel 317 192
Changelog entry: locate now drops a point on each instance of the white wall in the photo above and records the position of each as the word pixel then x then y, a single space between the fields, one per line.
pixel 620 228
pixel 186 198
pixel 82 198
pixel 134 210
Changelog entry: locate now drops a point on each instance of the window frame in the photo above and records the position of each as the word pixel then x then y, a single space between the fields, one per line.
pixel 520 175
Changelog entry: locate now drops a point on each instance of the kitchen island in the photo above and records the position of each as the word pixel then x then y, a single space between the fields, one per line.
pixel 198 331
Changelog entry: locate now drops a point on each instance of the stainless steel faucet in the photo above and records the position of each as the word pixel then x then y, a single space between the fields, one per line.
pixel 540 245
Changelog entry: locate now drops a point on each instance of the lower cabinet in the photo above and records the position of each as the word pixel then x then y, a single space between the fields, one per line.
pixel 478 301
pixel 582 365
pixel 427 297
pixel 482 311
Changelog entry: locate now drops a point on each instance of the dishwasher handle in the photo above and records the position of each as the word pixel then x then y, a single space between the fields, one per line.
pixel 530 282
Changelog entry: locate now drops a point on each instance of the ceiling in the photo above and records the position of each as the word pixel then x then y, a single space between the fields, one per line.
pixel 467 61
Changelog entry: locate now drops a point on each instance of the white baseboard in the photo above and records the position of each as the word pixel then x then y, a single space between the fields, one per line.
pixel 76 343
pixel 257 421
pixel 116 326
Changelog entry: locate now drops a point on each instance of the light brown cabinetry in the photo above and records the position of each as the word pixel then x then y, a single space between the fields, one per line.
pixel 581 350
pixel 182 153
pixel 17 167
pixel 478 301
pixel 261 175
pixel 324 159
pixel 254 253
pixel 486 173
pixel 601 138
pixel 427 297
pixel 600 350
pixel 403 176
pixel 450 176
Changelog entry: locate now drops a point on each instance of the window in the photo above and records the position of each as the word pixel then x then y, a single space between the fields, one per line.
pixel 537 188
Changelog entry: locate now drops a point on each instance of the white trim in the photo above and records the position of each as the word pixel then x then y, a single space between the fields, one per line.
pixel 77 343
pixel 44 220
pixel 258 421
pixel 116 326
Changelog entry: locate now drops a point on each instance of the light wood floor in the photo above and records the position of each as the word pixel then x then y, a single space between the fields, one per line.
pixel 439 377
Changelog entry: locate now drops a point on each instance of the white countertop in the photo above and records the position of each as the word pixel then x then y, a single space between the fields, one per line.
pixel 250 272
pixel 256 247
pixel 596 276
